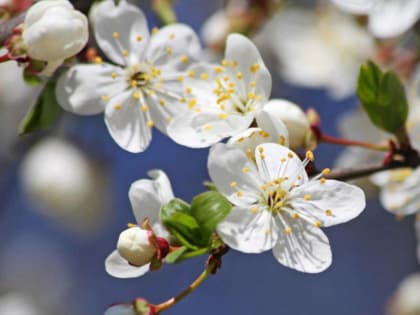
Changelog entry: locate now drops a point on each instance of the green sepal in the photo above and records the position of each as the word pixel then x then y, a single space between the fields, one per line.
pixel 173 257
pixel 383 97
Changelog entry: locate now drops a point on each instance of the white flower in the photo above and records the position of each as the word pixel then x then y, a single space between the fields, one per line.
pixel 120 310
pixel 144 89
pixel 406 300
pixel 18 304
pixel 314 50
pixel 54 31
pixel 146 198
pixel 135 247
pixel 215 30
pixel 278 112
pixel 223 99
pixel 387 18
pixel 64 184
pixel 277 207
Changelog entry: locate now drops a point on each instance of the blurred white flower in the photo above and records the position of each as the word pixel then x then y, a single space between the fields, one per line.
pixel 387 18
pixel 120 310
pixel 215 30
pixel 146 198
pixel 54 31
pixel 406 300
pixel 277 207
pixel 65 185
pixel 18 304
pixel 223 99
pixel 144 89
pixel 314 50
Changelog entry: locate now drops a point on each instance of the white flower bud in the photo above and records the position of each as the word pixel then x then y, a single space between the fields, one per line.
pixel 407 298
pixel 277 111
pixel 54 30
pixel 134 246
pixel 215 30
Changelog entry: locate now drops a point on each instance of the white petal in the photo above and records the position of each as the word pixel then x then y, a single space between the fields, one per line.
pixel 331 203
pixel 127 123
pixel 129 22
pixel 232 172
pixel 203 129
pixel 118 267
pixel 147 196
pixel 393 17
pixel 355 6
pixel 417 228
pixel 168 46
pixel 80 89
pixel 248 231
pixel 278 162
pixel 306 248
pixel 245 53
pixel 120 310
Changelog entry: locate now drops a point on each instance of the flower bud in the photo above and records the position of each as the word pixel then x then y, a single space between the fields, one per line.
pixel 406 300
pixel 277 111
pixel 54 31
pixel 134 245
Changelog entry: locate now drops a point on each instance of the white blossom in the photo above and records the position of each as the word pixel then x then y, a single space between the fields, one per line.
pixel 406 300
pixel 387 18
pixel 146 198
pixel 276 205
pixel 144 88
pixel 223 99
pixel 314 49
pixel 135 247
pixel 54 31
pixel 120 310
pixel 18 304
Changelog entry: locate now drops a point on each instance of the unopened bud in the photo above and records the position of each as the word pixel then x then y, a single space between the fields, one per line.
pixel 134 245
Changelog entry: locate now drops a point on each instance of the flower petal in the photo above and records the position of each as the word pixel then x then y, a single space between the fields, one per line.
pixel 355 6
pixel 120 309
pixel 393 17
pixel 275 161
pixel 203 129
pixel 417 228
pixel 83 88
pixel 248 229
pixel 127 123
pixel 234 174
pixel 330 202
pixel 306 248
pixel 118 267
pixel 147 196
pixel 173 46
pixel 129 23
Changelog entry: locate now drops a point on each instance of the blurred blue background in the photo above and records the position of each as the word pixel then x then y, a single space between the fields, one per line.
pixel 371 254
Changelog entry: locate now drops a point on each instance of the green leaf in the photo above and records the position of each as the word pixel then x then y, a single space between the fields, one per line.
pixel 45 112
pixel 31 79
pixel 383 97
pixel 185 228
pixel 174 206
pixel 209 208
pixel 175 255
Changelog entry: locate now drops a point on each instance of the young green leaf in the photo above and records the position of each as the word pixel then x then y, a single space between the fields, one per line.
pixel 209 208
pixel 45 112
pixel 383 97
pixel 185 228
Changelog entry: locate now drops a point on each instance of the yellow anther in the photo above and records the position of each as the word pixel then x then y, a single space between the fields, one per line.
pixel 114 75
pixel 192 103
pixel 223 115
pixel 226 78
pixel 234 63
pixel 133 83
pixel 241 139
pixel 307 197
pixel 326 171
pixel 183 100
pixel 204 76
pixel 162 102
pixel 295 215
pixel 322 180
pixel 150 123
pixel 233 184
pixel 255 67
pixel 264 134
pixel 180 78
pixel 139 38
pixel 144 108
pixel 328 212
pixel 267 231
pixel 252 84
pixel 125 53
pixel 260 149
pixel 188 89
pixel 98 60
pixel 218 69
pixel 245 169
pixel 317 224
pixel 191 73
pixel 197 110
pixel 310 155
pixel 262 156
pixel 184 59
pixel 169 50
pixel 278 205
pixel 290 155
pixel 239 75
pixel 288 230
pixel 131 225
pixel 172 36
pixel 117 106
pixel 136 95
pixel 239 193
pixel 282 140
pixel 225 63
pixel 251 96
pixel 254 210
pixel 208 127
pixel 105 98
pixel 116 35
pixel 155 30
